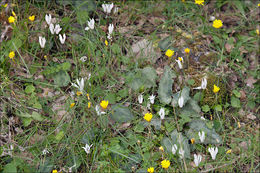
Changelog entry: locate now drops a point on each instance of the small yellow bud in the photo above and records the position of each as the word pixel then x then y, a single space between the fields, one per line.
pixel 216 89
pixel 161 148
pixel 169 53
pixel 192 141
pixel 11 19
pixel 11 55
pixel 104 104
pixel 78 93
pixel 187 50
pixel 31 18
pixel 229 151
pixel 72 105
pixel 106 42
pixel 89 104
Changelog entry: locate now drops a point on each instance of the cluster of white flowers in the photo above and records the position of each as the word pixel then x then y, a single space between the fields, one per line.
pixel 79 84
pixel 53 29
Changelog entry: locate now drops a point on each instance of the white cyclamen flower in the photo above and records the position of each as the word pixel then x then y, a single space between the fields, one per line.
pixel 98 110
pixel 48 19
pixel 181 152
pixel 110 31
pixel 45 151
pixel 151 98
pixel 179 63
pixel 83 59
pixel 91 25
pixel 51 27
pixel 57 29
pixel 162 113
pixel 62 38
pixel 213 152
pixel 174 148
pixel 202 136
pixel 42 41
pixel 79 85
pixel 87 148
pixel 181 101
pixel 203 84
pixel 202 118
pixel 148 106
pixel 140 99
pixel 197 159
pixel 107 7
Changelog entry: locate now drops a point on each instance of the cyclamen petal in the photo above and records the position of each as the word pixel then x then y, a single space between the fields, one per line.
pixel 42 41
pixel 51 27
pixel 62 38
pixel 162 113
pixel 181 102
pixel 174 148
pixel 140 99
pixel 48 19
pixel 213 152
pixel 197 159
pixel 202 136
pixel 57 29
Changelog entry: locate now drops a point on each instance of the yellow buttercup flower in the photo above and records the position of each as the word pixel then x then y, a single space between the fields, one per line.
pixel 89 104
pixel 11 55
pixel 180 59
pixel 216 89
pixel 257 31
pixel 31 18
pixel 78 93
pixel 106 42
pixel 217 23
pixel 148 116
pixel 199 2
pixel 229 151
pixel 88 96
pixel 104 104
pixel 72 105
pixel 54 171
pixel 192 141
pixel 187 50
pixel 5 5
pixel 161 148
pixel 165 164
pixel 11 19
pixel 258 4
pixel 150 170
pixel 169 53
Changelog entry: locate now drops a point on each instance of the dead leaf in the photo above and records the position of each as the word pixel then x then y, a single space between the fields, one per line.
pixel 229 47
pixel 251 116
pixel 250 81
pixel 243 95
pixel 245 144
pixel 145 49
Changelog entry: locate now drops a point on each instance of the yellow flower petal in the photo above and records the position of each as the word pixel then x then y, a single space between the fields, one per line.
pixel 31 18
pixel 148 116
pixel 169 53
pixel 78 93
pixel 106 42
pixel 11 19
pixel 229 151
pixel 216 89
pixel 104 104
pixel 89 104
pixel 217 23
pixel 199 2
pixel 161 148
pixel 165 164
pixel 187 50
pixel 192 141
pixel 11 55
pixel 72 105
pixel 150 170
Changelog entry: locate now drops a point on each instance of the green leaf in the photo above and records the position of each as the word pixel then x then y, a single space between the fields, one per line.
pixel 26 121
pixel 165 43
pixel 205 108
pixel 111 97
pixel 121 114
pixel 24 115
pixel 236 93
pixel 191 109
pixel 235 102
pixel 82 16
pixel 65 66
pixel 61 78
pixel 178 139
pixel 59 136
pixel 37 105
pixel 36 116
pixel 197 126
pixel 184 119
pixel 116 48
pixel 10 168
pixel 165 86
pixel 191 81
pixel 218 108
pixel 29 89
pixel 149 76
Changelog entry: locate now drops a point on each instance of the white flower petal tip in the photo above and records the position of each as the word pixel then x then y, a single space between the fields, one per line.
pixel 162 113
pixel 48 19
pixel 203 84
pixel 79 85
pixel 174 149
pixel 107 7
pixel 83 59
pixel 87 148
pixel 140 99
pixel 62 38
pixel 57 29
pixel 151 98
pixel 42 41
pixel 91 24
pixel 98 110
pixel 181 102
pixel 202 136
pixel 213 152
pixel 197 159
pixel 181 153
